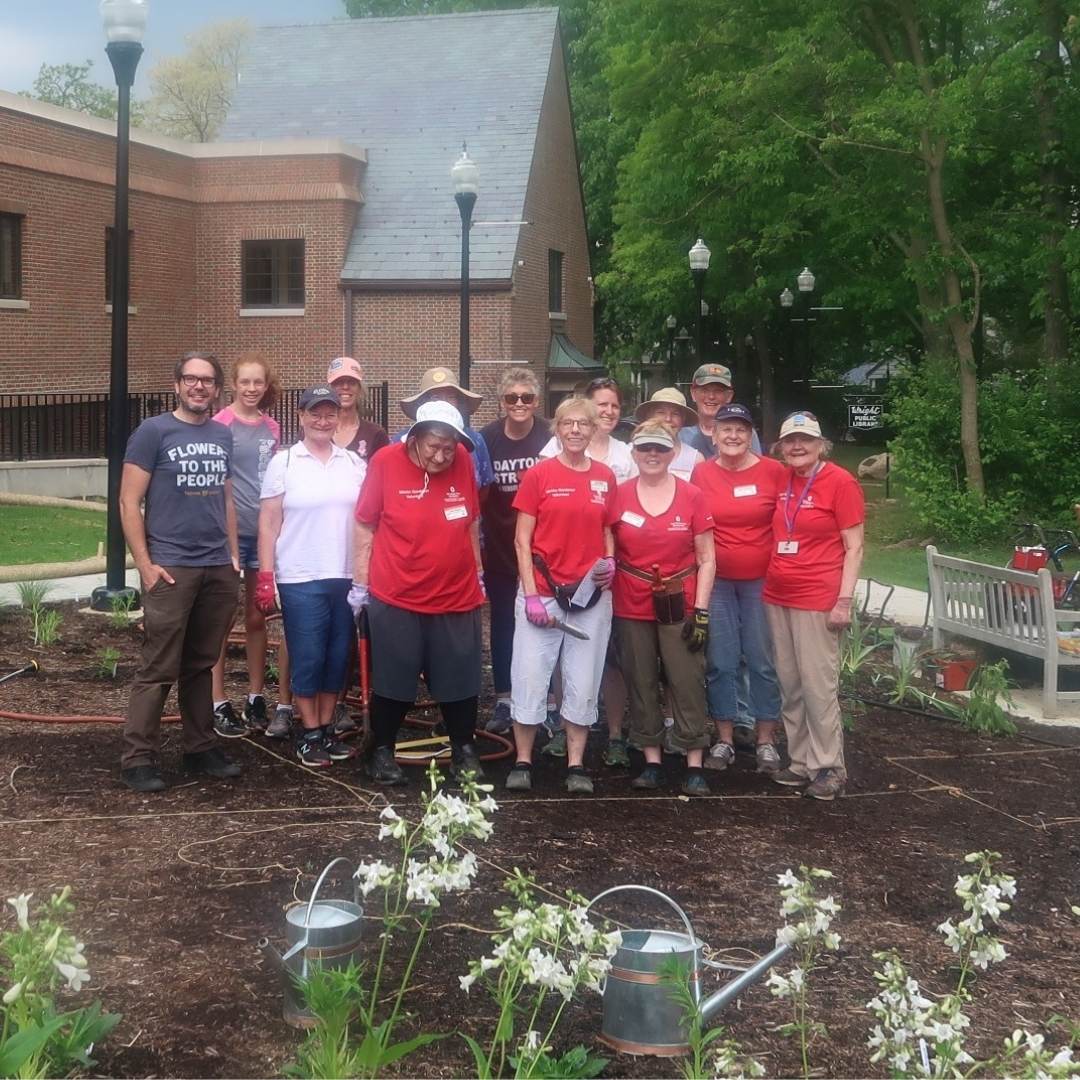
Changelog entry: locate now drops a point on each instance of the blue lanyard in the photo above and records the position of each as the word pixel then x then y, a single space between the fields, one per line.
pixel 789 519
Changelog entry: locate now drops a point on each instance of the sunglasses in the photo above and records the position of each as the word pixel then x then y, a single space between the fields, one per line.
pixel 513 399
pixel 652 448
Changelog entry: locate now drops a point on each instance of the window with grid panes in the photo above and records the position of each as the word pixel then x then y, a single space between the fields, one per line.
pixel 273 273
pixel 10 256
pixel 555 261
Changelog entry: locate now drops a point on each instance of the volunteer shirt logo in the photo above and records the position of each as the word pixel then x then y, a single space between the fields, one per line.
pixel 678 525
pixel 202 465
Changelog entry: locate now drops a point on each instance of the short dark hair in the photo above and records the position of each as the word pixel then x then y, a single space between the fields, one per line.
pixel 604 382
pixel 200 354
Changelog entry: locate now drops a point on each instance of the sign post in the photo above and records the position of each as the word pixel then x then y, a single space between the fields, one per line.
pixel 868 414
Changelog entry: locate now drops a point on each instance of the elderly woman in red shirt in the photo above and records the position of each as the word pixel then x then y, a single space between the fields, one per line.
pixel 818 549
pixel 417 572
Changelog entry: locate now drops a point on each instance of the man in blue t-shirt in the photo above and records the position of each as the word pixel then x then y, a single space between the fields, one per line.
pixel 185 550
pixel 711 389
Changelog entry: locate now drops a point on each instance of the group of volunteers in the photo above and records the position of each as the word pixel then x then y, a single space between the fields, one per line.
pixel 682 577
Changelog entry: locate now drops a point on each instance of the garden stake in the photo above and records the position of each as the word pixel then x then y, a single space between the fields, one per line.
pixel 30 669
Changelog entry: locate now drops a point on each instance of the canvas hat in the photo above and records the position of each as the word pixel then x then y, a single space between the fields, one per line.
pixel 440 378
pixel 654 438
pixel 800 424
pixel 669 395
pixel 344 367
pixel 440 412
pixel 712 373
pixel 732 411
pixel 318 395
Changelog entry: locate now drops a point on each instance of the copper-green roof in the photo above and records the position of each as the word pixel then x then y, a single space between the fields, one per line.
pixel 564 355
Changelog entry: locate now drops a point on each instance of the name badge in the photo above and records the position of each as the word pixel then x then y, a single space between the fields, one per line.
pixel 787 547
pixel 453 513
pixel 598 485
pixel 743 490
pixel 632 519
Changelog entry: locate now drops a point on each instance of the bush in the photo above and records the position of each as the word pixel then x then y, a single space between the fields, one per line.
pixel 1030 451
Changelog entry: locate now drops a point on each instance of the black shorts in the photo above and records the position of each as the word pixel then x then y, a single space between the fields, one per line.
pixel 445 649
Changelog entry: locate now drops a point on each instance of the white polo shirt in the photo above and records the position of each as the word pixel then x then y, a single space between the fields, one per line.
pixel 316 539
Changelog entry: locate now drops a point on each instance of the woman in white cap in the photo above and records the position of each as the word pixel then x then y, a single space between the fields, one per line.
pixel 817 553
pixel 417 572
pixel 566 566
pixel 741 490
pixel 305 536
pixel 668 405
pixel 664 560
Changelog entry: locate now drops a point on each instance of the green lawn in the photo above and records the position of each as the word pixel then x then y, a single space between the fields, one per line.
pixel 37 534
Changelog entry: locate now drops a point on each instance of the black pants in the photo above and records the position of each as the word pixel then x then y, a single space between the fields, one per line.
pixel 387 715
pixel 501 590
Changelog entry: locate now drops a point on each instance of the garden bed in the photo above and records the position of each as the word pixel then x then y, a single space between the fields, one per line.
pixel 173 891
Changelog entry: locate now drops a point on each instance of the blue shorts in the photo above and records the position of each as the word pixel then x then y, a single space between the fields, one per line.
pixel 320 633
pixel 249 552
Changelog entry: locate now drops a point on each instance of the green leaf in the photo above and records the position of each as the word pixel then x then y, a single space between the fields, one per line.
pixel 402 1049
pixel 483 1068
pixel 17 1050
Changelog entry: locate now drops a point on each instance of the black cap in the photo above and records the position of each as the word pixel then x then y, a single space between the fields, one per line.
pixel 318 395
pixel 734 412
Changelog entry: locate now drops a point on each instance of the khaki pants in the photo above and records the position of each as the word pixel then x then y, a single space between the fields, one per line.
pixel 642 645
pixel 185 625
pixel 806 654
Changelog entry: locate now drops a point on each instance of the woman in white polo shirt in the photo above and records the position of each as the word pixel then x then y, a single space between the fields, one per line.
pixel 305 534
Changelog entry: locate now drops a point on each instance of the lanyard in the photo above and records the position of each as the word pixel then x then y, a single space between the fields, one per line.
pixel 789 517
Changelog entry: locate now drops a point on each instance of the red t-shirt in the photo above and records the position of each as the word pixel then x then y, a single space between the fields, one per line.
pixel 422 558
pixel 644 541
pixel 810 578
pixel 571 509
pixel 742 505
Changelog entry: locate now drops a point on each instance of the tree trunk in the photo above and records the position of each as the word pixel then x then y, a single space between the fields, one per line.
pixel 768 388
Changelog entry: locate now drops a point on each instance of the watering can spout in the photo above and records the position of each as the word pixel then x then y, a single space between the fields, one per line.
pixel 736 987
pixel 271 953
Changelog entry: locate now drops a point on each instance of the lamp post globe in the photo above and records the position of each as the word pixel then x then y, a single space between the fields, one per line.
pixel 124 23
pixel 787 298
pixel 806 280
pixel 699 267
pixel 465 174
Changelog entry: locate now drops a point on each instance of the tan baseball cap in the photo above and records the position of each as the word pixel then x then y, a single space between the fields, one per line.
pixel 712 373
pixel 440 378
pixel 801 424
pixel 669 395
pixel 344 367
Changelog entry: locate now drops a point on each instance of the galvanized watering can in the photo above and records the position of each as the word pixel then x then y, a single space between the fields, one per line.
pixel 640 1014
pixel 327 932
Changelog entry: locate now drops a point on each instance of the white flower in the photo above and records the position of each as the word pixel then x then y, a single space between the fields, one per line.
pixel 75 976
pixel 787 880
pixel 466 981
pixel 21 904
pixel 13 993
pixel 397 827
pixel 375 875
pixel 531 1042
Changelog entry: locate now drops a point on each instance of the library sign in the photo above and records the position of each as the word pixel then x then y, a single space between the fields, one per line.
pixel 865 416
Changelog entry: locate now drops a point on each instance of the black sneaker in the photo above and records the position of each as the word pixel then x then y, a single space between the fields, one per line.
pixel 212 762
pixel 465 762
pixel 649 779
pixel 311 751
pixel 335 747
pixel 343 722
pixel 255 713
pixel 143 778
pixel 383 769
pixel 227 724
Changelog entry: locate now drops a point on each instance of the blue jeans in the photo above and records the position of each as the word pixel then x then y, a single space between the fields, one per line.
pixel 319 633
pixel 738 631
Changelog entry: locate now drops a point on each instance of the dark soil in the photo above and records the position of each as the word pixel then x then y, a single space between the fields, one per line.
pixel 174 890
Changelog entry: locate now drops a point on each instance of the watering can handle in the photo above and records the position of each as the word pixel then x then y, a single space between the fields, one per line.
pixel 318 885
pixel 652 892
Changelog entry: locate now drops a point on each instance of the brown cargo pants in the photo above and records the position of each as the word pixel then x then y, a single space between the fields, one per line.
pixel 185 626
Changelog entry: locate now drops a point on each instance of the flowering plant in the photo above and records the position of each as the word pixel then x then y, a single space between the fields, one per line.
pixel 37 959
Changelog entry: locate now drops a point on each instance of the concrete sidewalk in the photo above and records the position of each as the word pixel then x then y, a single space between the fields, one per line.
pixel 72 588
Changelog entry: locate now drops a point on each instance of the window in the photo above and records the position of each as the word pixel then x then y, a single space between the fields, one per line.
pixel 10 257
pixel 555 259
pixel 273 273
pixel 109 261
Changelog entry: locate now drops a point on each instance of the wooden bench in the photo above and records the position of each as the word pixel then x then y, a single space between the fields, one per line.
pixel 1012 609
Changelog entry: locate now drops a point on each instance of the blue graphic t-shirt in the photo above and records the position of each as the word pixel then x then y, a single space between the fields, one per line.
pixel 185 501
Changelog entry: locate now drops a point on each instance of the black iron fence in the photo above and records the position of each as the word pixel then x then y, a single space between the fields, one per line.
pixel 40 427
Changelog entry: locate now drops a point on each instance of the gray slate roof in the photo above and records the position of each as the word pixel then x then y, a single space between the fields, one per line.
pixel 409 91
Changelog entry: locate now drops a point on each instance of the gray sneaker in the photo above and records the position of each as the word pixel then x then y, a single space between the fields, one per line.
pixel 343 723
pixel 556 745
pixel 519 778
pixel 281 726
pixel 768 760
pixel 616 754
pixel 578 783
pixel 720 756
pixel 500 722
pixel 826 785
pixel 789 778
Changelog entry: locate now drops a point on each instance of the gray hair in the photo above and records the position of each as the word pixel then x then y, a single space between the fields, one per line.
pixel 519 376
pixel 826 448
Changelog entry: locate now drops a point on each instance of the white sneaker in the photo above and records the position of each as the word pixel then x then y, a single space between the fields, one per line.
pixel 720 756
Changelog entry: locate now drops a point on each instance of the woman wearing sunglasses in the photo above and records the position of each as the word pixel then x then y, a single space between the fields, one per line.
pixel 514 442
pixel 664 576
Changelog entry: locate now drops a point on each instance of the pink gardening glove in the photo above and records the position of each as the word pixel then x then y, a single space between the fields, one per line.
pixel 535 611
pixel 604 573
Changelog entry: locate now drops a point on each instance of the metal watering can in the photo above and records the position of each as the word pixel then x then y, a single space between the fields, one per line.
pixel 327 932
pixel 640 1014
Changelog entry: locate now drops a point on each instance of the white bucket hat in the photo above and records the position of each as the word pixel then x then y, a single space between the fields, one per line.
pixel 430 413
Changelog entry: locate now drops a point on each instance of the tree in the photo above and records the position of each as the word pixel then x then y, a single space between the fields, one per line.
pixel 190 94
pixel 70 87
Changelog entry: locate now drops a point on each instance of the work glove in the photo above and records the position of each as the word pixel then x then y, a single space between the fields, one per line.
pixel 358 598
pixel 695 631
pixel 265 592
pixel 604 572
pixel 535 611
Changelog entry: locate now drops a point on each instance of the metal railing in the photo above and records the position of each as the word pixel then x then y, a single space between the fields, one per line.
pixel 44 427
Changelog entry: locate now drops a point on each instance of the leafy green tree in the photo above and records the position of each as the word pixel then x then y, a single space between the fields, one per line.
pixel 71 87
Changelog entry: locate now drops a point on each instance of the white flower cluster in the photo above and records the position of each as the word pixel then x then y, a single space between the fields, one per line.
pixel 729 1063
pixel 61 949
pixel 915 1036
pixel 1026 1056
pixel 985 895
pixel 807 927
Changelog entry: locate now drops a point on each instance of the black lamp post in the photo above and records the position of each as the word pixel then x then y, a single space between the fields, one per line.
pixel 806 281
pixel 787 300
pixel 699 267
pixel 669 326
pixel 466 177
pixel 125 23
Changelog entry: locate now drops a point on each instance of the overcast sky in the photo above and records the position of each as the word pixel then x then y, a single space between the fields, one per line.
pixel 36 32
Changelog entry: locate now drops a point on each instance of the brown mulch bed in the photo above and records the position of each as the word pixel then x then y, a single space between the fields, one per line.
pixel 174 890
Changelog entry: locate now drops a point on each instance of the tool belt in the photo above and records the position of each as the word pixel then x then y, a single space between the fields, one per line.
pixel 669 600
pixel 564 593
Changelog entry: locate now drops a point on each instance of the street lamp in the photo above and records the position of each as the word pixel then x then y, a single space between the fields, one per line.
pixel 125 24
pixel 466 177
pixel 699 266
pixel 806 281
pixel 787 298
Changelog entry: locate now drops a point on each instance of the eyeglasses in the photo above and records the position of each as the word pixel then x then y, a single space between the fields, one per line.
pixel 191 381
pixel 652 448
pixel 583 424
pixel 513 399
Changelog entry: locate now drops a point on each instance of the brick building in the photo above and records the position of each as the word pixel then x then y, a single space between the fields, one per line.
pixel 322 222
